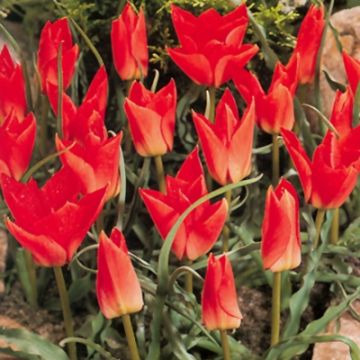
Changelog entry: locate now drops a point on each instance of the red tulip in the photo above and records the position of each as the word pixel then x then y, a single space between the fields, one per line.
pixel 129 44
pixel 211 45
pixel 17 138
pixel 308 43
pixel 275 109
pixel 117 286
pixel 94 156
pixel 352 68
pixel 12 86
pixel 227 144
pixel 52 35
pixel 280 238
pixel 342 112
pixel 220 308
pixel 151 118
pixel 50 222
pixel 201 228
pixel 330 177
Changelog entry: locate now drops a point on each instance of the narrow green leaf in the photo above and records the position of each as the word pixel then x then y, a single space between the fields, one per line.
pixel 29 345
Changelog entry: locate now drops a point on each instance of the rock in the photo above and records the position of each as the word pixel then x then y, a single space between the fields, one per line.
pixel 347 24
pixel 347 326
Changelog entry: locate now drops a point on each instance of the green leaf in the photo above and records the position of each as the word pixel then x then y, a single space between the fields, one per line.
pixel 29 346
pixel 80 288
pixel 334 84
pixel 285 348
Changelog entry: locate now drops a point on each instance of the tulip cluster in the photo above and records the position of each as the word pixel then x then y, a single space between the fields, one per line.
pixel 51 215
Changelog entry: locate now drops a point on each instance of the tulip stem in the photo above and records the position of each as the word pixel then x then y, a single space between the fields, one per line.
pixel 275 160
pixel 226 230
pixel 160 173
pixel 212 93
pixel 65 306
pixel 334 237
pixel 225 345
pixel 318 222
pixel 189 280
pixel 275 313
pixel 130 337
pixel 30 266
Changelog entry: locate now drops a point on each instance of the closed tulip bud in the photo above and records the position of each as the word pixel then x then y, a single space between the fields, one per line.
pixel 280 235
pixel 129 44
pixel 211 45
pixel 117 286
pixel 219 304
pixel 151 118
pixel 52 35
pixel 12 86
pixel 227 144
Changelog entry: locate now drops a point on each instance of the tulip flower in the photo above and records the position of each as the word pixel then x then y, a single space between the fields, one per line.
pixel 274 109
pixel 52 35
pixel 93 156
pixel 129 44
pixel 17 138
pixel 117 286
pixel 280 239
pixel 12 86
pixel 330 177
pixel 201 228
pixel 227 144
pixel 211 45
pixel 308 43
pixel 220 308
pixel 51 221
pixel 342 112
pixel 151 118
pixel 352 68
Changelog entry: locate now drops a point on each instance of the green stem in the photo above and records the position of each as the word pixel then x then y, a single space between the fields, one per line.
pixel 160 173
pixel 65 306
pixel 226 230
pixel 318 222
pixel 130 337
pixel 275 160
pixel 275 311
pixel 189 280
pixel 225 345
pixel 212 93
pixel 334 235
pixel 30 266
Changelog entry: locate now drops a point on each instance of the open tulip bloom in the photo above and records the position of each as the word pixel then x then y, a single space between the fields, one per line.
pixel 332 174
pixel 227 144
pixel 12 86
pixel 129 44
pixel 274 109
pixel 211 45
pixel 151 118
pixel 50 222
pixel 93 156
pixel 52 35
pixel 219 304
pixel 201 228
pixel 280 239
